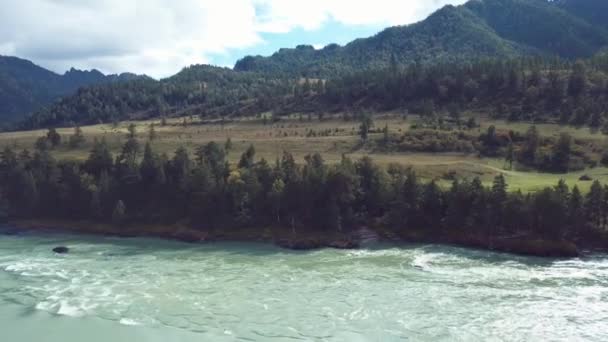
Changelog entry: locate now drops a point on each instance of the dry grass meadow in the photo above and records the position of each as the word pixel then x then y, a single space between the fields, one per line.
pixel 332 137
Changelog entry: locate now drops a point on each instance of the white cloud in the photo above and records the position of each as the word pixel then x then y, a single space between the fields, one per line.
pixel 158 37
pixel 284 15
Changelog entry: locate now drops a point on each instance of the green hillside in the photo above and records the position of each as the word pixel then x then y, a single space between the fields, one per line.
pixel 26 87
pixel 509 58
pixel 478 29
pixel 593 11
pixel 541 25
pixel 196 90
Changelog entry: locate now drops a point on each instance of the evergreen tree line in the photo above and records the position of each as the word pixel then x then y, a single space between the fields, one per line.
pixel 140 185
pixel 539 90
pixel 528 151
pixel 198 90
pixel 532 89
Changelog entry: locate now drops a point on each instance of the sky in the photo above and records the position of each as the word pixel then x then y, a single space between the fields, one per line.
pixel 160 37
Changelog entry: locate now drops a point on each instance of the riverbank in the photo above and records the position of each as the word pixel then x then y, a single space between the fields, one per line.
pixel 309 240
pixel 519 245
pixel 184 233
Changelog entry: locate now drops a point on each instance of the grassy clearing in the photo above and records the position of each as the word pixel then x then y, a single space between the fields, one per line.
pixel 332 138
pixel 545 129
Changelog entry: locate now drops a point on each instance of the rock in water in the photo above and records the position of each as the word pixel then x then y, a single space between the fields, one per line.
pixel 61 250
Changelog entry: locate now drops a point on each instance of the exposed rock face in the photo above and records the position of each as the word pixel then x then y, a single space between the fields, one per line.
pixel 61 250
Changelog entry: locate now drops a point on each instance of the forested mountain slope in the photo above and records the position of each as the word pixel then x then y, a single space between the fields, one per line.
pixel 542 25
pixel 26 87
pixel 593 11
pixel 512 58
pixel 196 90
pixel 519 89
pixel 478 29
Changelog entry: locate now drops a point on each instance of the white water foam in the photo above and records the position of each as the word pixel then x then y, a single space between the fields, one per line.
pixel 66 309
pixel 365 253
pixel 129 322
pixel 423 261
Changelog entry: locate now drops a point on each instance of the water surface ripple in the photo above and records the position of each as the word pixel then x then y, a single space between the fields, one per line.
pixel 153 290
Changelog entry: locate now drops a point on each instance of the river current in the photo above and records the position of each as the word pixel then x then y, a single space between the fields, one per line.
pixel 110 289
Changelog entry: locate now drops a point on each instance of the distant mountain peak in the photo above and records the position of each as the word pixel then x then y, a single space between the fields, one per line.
pixel 79 71
pixel 478 29
pixel 26 87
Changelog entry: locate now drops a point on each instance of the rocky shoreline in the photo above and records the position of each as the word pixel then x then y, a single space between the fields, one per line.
pixel 284 238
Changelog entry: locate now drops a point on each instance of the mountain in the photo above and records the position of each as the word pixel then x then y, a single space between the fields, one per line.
pixel 196 90
pixel 26 87
pixel 593 11
pixel 541 25
pixel 476 30
pixel 502 42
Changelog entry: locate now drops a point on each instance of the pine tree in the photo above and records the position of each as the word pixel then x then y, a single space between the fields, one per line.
pixel 148 166
pixel 29 194
pixel 456 205
pixel 510 155
pixel 366 124
pixel 562 191
pixel 276 196
pixel 561 153
pixel 42 144
pixel 530 149
pixel 152 135
pixel 181 166
pixel 132 131
pixel 96 206
pixel 214 156
pixel 385 136
pixel 593 204
pixel 53 137
pixel 247 159
pixel 596 121
pixel 228 145
pixel 578 80
pixel 8 160
pixel 432 205
pixel 77 139
pixel 119 213
pixel 25 157
pixel 499 189
pixel 498 197
pixel 130 149
pixel 576 210
pixel 100 159
pixel 605 207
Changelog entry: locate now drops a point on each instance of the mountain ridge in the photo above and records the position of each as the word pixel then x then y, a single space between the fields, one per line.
pixel 27 87
pixel 476 29
pixel 454 36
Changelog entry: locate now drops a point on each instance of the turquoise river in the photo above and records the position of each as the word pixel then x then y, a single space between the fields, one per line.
pixel 110 289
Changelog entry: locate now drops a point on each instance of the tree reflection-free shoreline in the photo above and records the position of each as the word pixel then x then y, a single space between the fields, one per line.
pixel 301 241
pixel 299 206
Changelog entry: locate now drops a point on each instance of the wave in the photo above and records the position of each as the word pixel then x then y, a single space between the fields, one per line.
pixel 129 322
pixel 66 309
pixel 365 253
pixel 62 308
pixel 423 261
